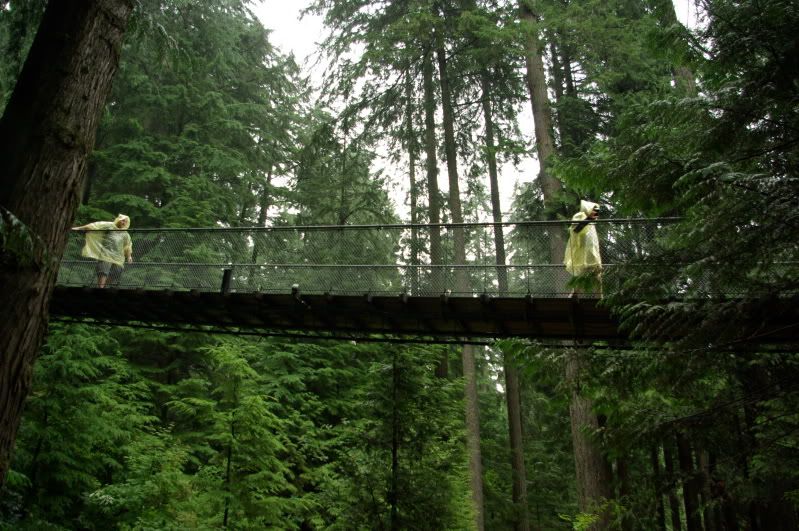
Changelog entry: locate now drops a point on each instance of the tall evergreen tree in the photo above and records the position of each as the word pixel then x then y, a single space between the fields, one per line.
pixel 47 131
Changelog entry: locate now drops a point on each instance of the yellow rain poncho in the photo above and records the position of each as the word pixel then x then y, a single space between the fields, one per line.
pixel 582 250
pixel 105 242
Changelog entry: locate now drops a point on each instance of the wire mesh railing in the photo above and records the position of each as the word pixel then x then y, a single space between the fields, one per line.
pixel 377 259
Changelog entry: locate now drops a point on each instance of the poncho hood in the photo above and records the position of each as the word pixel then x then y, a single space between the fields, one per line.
pixel 586 207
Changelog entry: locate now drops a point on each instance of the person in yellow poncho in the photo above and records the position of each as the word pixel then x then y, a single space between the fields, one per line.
pixel 109 243
pixel 582 258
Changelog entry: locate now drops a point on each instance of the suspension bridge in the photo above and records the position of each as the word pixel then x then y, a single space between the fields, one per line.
pixel 400 280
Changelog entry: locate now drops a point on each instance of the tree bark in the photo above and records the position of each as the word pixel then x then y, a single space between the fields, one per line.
pixel 690 485
pixel 433 196
pixel 228 471
pixel 623 473
pixel 542 120
pixel 493 176
pixel 473 436
pixel 703 466
pixel 593 474
pixel 413 190
pixel 46 135
pixel 431 166
pixel 263 211
pixel 395 440
pixel 512 393
pixel 654 458
pixel 450 150
pixel 461 285
pixel 265 201
pixel 726 517
pixel 674 503
pixel 683 75
pixel 557 85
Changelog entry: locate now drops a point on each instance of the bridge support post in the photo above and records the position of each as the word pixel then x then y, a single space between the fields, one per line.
pixel 227 276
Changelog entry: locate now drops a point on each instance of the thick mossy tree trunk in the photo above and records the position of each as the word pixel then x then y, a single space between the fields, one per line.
pixel 46 134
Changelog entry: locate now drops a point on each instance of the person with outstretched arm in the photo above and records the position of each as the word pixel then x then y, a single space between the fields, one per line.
pixel 582 258
pixel 109 243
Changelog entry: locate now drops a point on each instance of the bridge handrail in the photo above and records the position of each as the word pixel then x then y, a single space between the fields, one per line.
pixel 387 257
pixel 340 266
pixel 556 222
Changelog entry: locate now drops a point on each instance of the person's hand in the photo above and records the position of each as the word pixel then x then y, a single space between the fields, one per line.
pixel 130 259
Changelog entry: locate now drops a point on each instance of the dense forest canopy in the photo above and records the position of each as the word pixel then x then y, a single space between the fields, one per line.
pixel 210 124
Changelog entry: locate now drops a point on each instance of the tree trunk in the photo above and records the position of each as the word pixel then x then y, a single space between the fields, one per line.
pixel 228 472
pixel 593 474
pixel 265 203
pixel 703 466
pixel 46 135
pixel 450 150
pixel 395 438
pixel 86 193
pixel 568 75
pixel 473 436
pixel 654 458
pixel 344 185
pixel 258 244
pixel 683 75
pixel 623 472
pixel 674 503
pixel 512 393
pixel 772 512
pixel 433 196
pixel 725 516
pixel 690 486
pixel 537 86
pixel 496 207
pixel 462 286
pixel 413 190
pixel 557 85
pixel 565 96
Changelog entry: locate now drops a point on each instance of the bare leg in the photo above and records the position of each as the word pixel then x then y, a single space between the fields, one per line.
pixel 101 280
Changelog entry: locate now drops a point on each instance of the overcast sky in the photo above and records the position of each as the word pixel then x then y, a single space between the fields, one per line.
pixel 301 36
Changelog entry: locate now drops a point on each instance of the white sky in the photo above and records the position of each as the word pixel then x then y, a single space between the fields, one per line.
pixel 290 34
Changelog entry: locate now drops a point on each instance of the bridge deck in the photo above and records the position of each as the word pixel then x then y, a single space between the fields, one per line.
pixel 542 318
pixel 251 278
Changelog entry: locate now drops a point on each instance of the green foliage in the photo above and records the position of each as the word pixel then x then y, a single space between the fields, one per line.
pixel 87 406
pixel 19 246
pixel 18 22
pixel 210 125
pixel 203 113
